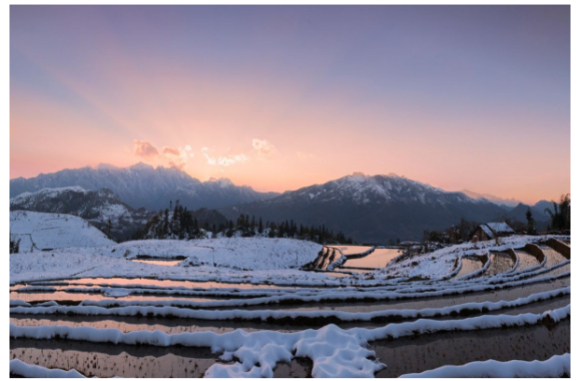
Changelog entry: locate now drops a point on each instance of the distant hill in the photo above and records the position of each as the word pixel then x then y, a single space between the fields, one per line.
pixel 506 203
pixel 541 217
pixel 46 231
pixel 372 209
pixel 97 207
pixel 142 185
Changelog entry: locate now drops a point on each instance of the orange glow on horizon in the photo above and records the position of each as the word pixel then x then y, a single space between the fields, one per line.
pixel 320 105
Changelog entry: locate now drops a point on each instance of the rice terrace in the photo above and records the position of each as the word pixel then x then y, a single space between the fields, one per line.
pixel 95 311
pixel 289 191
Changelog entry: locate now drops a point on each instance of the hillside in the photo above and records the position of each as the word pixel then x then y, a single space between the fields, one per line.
pixel 97 207
pixel 373 209
pixel 45 231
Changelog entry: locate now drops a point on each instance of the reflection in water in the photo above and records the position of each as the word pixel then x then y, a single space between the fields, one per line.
pixel 338 274
pixel 552 256
pixel 158 262
pixel 526 260
pixel 419 353
pixel 352 249
pixel 156 282
pixel 147 362
pixel 512 293
pixel 134 323
pixel 402 355
pixel 499 262
pixel 469 265
pixel 554 272
pixel 58 296
pixel 378 259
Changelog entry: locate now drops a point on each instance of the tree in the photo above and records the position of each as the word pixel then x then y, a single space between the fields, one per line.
pixel 531 222
pixel 260 225
pixel 560 217
pixel 14 246
pixel 108 227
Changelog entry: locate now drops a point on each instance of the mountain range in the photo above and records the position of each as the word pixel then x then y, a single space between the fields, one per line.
pixel 142 185
pixel 372 209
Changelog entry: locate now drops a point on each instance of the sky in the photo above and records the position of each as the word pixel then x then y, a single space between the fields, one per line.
pixel 281 97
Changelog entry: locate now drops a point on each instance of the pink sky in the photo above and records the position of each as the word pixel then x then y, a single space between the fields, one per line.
pixel 285 112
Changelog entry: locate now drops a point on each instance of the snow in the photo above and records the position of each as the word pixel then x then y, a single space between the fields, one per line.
pixel 235 260
pixel 265 315
pixel 487 230
pixel 20 368
pixel 39 231
pixel 362 189
pixel 45 192
pixel 439 264
pixel 556 366
pixel 335 352
pixel 274 264
pixel 500 227
pixel 250 253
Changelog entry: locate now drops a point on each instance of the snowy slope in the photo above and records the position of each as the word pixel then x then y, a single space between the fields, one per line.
pixel 253 260
pixel 251 253
pixel 96 206
pixel 39 231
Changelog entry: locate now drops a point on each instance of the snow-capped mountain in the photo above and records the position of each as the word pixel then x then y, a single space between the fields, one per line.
pixel 372 208
pixel 97 207
pixel 141 185
pixel 504 202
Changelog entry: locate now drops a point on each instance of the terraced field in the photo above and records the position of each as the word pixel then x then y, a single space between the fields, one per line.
pixel 447 313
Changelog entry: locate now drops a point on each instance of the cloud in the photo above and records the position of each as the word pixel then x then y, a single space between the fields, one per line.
pixel 171 151
pixel 178 165
pixel 263 147
pixel 204 149
pixel 144 149
pixel 225 161
pixel 210 160
pixel 304 156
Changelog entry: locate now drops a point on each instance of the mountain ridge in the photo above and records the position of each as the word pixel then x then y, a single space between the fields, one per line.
pixel 142 185
pixel 375 208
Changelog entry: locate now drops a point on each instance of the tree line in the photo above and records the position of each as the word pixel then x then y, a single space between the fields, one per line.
pixel 180 223
pixel 463 232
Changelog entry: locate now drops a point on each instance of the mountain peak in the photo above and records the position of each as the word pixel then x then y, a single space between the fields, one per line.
pixel 141 166
pixel 106 166
pixel 141 185
pixel 222 181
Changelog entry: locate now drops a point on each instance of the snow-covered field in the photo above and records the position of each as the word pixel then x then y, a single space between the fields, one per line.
pixel 256 314
pixel 271 260
pixel 236 252
pixel 38 231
